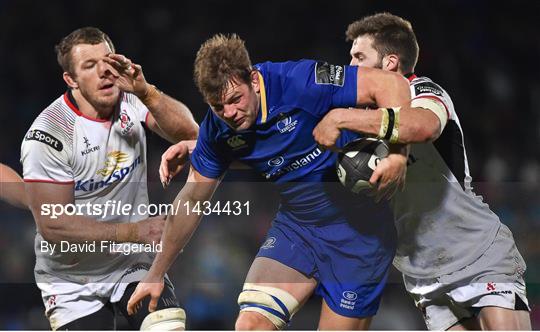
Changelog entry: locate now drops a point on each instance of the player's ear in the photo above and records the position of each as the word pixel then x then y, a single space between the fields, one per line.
pixel 255 80
pixel 391 62
pixel 69 80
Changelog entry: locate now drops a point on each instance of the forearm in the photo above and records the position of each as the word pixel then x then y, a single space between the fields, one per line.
pixel 172 117
pixel 178 231
pixel 12 187
pixel 78 229
pixel 415 125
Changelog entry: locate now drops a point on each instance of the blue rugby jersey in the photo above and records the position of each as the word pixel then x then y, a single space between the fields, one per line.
pixel 295 96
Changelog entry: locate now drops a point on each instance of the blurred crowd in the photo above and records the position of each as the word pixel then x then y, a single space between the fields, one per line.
pixel 481 53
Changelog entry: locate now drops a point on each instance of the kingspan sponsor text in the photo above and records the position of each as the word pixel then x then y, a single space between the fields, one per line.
pixel 118 175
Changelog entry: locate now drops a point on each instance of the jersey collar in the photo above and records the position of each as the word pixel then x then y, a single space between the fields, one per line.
pixel 72 104
pixel 410 76
pixel 263 112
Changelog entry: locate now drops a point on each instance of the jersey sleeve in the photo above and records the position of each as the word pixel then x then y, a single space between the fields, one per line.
pixel 207 157
pixel 425 89
pixel 140 108
pixel 45 153
pixel 319 86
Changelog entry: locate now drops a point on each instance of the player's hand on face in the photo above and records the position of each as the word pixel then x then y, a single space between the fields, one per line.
pixel 129 76
pixel 389 175
pixel 172 162
pixel 327 132
pixel 150 230
pixel 149 286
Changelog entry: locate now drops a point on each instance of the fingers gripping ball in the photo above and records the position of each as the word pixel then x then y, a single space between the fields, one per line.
pixel 357 161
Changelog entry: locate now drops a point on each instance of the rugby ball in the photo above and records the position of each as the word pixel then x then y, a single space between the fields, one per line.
pixel 357 161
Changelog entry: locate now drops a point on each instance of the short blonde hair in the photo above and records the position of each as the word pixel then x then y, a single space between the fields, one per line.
pixel 220 60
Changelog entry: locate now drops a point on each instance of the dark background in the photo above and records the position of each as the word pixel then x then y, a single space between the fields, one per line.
pixel 484 55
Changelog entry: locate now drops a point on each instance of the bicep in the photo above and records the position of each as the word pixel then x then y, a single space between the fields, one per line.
pixel 152 124
pixel 47 200
pixel 12 187
pixel 381 88
pixel 8 175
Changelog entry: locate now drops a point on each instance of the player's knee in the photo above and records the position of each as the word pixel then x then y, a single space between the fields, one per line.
pixel 170 319
pixel 251 321
pixel 265 305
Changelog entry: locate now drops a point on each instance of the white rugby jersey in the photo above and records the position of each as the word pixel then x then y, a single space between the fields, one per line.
pixel 105 160
pixel 442 225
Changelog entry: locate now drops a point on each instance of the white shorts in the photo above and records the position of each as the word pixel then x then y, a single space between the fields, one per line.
pixel 67 301
pixel 494 279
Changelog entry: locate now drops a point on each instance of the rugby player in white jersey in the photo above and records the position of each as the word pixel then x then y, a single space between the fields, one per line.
pixel 88 148
pixel 459 262
pixel 12 187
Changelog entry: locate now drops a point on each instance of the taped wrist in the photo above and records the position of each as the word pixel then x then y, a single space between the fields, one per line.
pixel 126 233
pixel 151 96
pixel 389 129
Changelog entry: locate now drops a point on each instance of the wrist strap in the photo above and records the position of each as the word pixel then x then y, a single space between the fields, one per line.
pixel 151 95
pixel 390 124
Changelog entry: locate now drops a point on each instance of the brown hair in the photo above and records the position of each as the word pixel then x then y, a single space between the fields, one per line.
pixel 86 35
pixel 391 35
pixel 220 60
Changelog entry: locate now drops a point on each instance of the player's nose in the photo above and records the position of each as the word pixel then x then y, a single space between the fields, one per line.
pixel 229 112
pixel 104 69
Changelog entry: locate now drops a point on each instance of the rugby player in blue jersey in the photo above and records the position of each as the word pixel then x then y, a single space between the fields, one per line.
pixel 320 242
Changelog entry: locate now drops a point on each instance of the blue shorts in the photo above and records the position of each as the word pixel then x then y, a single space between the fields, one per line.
pixel 351 266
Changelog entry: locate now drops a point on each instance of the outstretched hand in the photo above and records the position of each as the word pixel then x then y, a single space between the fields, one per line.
pixel 174 160
pixel 149 286
pixel 129 76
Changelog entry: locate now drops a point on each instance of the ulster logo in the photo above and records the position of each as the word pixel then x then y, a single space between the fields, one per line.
pixel 125 123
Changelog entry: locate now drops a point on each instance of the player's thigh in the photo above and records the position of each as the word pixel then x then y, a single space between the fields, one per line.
pixel 496 318
pixel 166 300
pixel 466 324
pixel 271 295
pixel 102 319
pixel 329 320
pixel 269 272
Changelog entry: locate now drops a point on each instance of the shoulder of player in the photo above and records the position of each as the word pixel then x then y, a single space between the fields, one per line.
pixel 285 69
pixel 54 126
pixel 425 85
pixel 57 118
pixel 421 82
